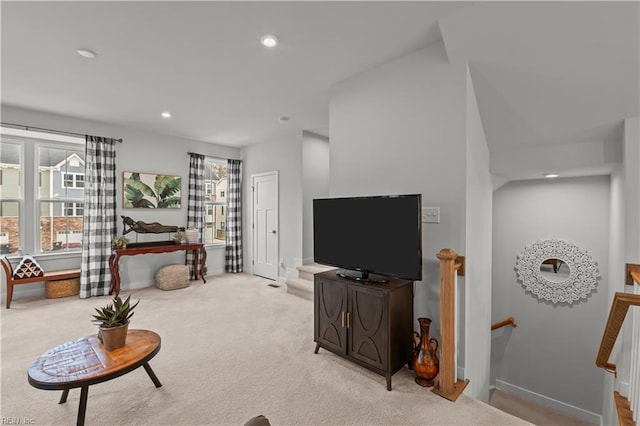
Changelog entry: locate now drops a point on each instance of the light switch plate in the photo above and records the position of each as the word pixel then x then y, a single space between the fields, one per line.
pixel 431 214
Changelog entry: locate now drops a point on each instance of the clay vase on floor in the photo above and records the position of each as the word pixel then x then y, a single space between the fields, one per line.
pixel 425 361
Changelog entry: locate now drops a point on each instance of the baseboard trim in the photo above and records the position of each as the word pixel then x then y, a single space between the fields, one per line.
pixel 27 291
pixel 549 402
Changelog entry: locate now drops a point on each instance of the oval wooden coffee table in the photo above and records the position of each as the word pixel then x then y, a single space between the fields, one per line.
pixel 84 362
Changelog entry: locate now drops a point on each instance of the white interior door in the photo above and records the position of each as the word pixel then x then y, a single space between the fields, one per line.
pixel 265 224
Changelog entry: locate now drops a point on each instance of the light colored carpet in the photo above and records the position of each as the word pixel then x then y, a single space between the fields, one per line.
pixel 231 349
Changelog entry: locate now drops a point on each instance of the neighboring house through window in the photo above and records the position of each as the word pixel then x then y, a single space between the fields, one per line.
pixel 43 172
pixel 215 188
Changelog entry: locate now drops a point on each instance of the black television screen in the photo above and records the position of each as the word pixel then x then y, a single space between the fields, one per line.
pixel 378 235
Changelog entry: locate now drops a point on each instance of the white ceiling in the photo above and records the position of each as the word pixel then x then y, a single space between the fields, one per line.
pixel 544 73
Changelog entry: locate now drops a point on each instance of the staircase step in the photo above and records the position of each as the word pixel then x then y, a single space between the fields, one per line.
pixel 300 287
pixel 307 272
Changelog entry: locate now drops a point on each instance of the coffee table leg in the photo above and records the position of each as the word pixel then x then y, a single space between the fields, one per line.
pixel 63 398
pixel 82 408
pixel 151 374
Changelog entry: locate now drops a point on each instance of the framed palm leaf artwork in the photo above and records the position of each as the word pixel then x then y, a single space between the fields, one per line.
pixel 151 191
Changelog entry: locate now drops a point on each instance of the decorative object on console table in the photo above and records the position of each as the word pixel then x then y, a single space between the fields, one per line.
pixel 425 360
pixel 114 322
pixel 178 237
pixel 120 242
pixel 368 323
pixel 191 235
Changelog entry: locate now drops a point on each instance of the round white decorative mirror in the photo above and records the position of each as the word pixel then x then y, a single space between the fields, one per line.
pixel 557 271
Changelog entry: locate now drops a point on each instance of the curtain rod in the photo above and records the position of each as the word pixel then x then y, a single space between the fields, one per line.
pixel 60 132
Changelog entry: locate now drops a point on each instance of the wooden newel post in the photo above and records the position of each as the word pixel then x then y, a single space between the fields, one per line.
pixel 447 386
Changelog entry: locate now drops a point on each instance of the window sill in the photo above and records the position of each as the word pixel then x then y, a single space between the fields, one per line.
pixel 214 245
pixel 49 255
pixel 62 255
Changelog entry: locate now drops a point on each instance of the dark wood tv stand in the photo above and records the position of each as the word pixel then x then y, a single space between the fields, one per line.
pixel 370 324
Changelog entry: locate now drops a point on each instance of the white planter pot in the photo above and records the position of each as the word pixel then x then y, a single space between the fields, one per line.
pixel 191 235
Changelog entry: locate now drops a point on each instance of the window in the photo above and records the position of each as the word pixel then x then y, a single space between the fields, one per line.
pixel 60 196
pixel 41 193
pixel 73 209
pixel 215 184
pixel 11 199
pixel 73 180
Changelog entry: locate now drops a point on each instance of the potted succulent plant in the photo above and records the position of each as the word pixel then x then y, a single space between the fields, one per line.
pixel 113 321
pixel 120 242
pixel 178 237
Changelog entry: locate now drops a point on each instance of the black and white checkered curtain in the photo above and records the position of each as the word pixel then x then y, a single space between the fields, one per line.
pixel 233 249
pixel 195 203
pixel 99 216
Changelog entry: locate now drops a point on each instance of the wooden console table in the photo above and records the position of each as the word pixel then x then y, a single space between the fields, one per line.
pixel 199 260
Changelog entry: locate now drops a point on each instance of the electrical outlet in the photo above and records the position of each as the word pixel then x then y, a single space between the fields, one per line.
pixel 282 262
pixel 431 214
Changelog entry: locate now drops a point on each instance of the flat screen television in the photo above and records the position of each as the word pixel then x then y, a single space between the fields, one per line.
pixel 379 235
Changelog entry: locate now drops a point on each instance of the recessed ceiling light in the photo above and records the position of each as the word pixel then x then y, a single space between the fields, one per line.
pixel 284 119
pixel 269 40
pixel 166 114
pixel 551 175
pixel 86 53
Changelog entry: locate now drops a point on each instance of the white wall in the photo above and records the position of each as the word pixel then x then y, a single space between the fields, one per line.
pixel 632 182
pixel 478 238
pixel 315 184
pixel 140 151
pixel 400 129
pixel 552 351
pixel 616 283
pixel 282 152
pixel 627 248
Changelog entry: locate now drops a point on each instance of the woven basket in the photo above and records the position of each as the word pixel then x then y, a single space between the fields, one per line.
pixel 61 288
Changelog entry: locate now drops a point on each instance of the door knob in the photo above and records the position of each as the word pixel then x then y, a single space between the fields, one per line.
pixel 273 232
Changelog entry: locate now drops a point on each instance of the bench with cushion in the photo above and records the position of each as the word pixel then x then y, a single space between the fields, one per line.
pixel 32 274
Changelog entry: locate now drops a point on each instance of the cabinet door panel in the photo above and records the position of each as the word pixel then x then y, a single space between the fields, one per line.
pixel 368 328
pixel 331 302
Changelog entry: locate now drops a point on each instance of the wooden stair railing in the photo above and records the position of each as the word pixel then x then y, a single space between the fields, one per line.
pixel 508 321
pixel 447 386
pixel 617 314
pixel 619 308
